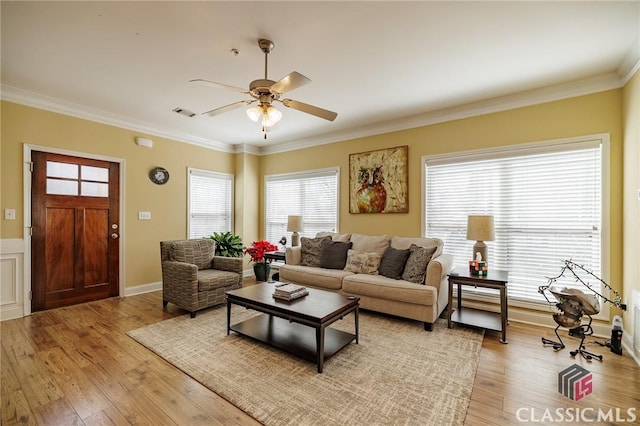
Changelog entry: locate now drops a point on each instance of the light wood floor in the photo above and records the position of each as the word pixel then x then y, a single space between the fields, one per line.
pixel 76 366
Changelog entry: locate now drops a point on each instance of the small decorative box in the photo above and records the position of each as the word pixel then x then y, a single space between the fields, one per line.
pixel 478 268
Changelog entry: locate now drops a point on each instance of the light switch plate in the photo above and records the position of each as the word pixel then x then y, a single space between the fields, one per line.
pixel 10 214
pixel 144 215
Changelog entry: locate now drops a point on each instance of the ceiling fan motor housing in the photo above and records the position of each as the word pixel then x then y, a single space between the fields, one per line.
pixel 261 87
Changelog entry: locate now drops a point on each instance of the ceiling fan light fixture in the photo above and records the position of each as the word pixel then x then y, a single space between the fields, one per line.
pixel 255 113
pixel 272 114
pixel 268 114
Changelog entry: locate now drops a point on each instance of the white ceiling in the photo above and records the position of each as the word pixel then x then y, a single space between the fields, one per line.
pixel 379 65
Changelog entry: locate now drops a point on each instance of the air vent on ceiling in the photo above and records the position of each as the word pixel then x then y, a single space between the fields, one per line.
pixel 183 111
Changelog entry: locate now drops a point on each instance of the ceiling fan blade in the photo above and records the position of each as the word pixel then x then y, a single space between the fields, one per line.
pixel 310 109
pixel 289 82
pixel 226 108
pixel 218 85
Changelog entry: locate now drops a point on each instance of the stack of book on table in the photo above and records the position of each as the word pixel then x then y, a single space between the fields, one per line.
pixel 290 292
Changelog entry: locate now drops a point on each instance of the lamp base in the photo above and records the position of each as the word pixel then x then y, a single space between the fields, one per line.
pixel 480 247
pixel 295 239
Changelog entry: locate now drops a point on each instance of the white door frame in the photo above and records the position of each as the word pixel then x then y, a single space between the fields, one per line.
pixel 27 149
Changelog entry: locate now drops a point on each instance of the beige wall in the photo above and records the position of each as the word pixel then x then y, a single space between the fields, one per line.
pixel 597 113
pixel 167 203
pixel 247 194
pixel 631 188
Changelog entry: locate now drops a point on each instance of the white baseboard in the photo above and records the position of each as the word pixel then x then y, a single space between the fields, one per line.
pixel 11 312
pixel 539 318
pixel 141 289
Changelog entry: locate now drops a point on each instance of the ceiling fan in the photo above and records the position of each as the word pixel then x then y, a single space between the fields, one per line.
pixel 265 92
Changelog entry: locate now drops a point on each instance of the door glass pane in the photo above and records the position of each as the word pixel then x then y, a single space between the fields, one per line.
pixel 62 187
pixel 94 189
pixel 99 174
pixel 62 170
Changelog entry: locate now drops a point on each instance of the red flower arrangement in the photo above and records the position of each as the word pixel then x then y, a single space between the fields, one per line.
pixel 258 249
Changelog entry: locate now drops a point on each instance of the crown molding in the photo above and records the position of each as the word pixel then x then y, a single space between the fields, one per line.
pixel 47 103
pixel 519 100
pixel 630 64
pixel 523 99
pixel 247 149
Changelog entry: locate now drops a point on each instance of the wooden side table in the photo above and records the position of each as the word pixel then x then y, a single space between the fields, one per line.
pixel 276 255
pixel 489 320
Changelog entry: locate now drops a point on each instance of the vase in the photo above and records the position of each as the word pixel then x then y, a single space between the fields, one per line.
pixel 262 271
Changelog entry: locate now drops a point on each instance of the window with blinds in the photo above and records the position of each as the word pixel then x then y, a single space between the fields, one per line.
pixel 210 204
pixel 312 194
pixel 547 206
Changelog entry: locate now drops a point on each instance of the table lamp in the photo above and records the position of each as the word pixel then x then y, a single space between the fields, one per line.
pixel 294 224
pixel 480 228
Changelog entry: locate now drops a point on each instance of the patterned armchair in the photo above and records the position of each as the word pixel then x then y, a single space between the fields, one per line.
pixel 193 278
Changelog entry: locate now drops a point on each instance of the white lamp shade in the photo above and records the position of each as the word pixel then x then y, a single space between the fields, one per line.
pixel 294 223
pixel 480 228
pixel 269 114
pixel 273 114
pixel 254 113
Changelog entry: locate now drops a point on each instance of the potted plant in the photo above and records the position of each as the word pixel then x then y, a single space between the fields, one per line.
pixel 228 244
pixel 261 266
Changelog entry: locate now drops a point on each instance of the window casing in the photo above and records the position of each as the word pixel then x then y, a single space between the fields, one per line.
pixel 547 202
pixel 210 203
pixel 312 194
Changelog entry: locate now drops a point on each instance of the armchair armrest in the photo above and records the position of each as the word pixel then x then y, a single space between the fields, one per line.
pixel 230 264
pixel 180 275
pixel 437 270
pixel 293 255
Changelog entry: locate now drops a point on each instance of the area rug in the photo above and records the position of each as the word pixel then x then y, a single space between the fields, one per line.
pixel 398 374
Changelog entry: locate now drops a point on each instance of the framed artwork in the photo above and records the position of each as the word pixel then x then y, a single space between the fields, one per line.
pixel 378 181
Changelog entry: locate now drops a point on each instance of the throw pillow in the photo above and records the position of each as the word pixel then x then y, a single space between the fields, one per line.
pixel 370 243
pixel 362 262
pixel 415 270
pixel 335 236
pixel 197 252
pixel 334 254
pixel 310 250
pixel 393 261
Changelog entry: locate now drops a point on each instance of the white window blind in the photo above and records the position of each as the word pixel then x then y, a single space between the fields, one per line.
pixel 547 207
pixel 312 194
pixel 210 203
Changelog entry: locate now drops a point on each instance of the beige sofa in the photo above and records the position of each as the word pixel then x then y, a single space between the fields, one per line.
pixel 419 301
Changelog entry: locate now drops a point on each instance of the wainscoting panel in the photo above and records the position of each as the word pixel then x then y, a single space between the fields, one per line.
pixel 12 297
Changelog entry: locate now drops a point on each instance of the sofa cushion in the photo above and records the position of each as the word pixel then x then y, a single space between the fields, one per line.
pixel 415 269
pixel 405 243
pixel 393 261
pixel 310 251
pixel 334 254
pixel 335 236
pixel 377 286
pixel 197 252
pixel 370 243
pixel 361 262
pixel 330 279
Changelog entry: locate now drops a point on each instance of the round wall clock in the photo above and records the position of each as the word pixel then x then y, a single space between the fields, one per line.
pixel 159 175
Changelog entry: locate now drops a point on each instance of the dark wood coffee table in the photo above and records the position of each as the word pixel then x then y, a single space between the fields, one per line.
pixel 290 325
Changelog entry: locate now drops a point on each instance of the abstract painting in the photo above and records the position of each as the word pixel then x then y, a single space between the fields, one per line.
pixel 378 181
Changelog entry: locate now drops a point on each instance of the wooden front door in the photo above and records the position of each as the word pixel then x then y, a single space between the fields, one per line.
pixel 76 226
